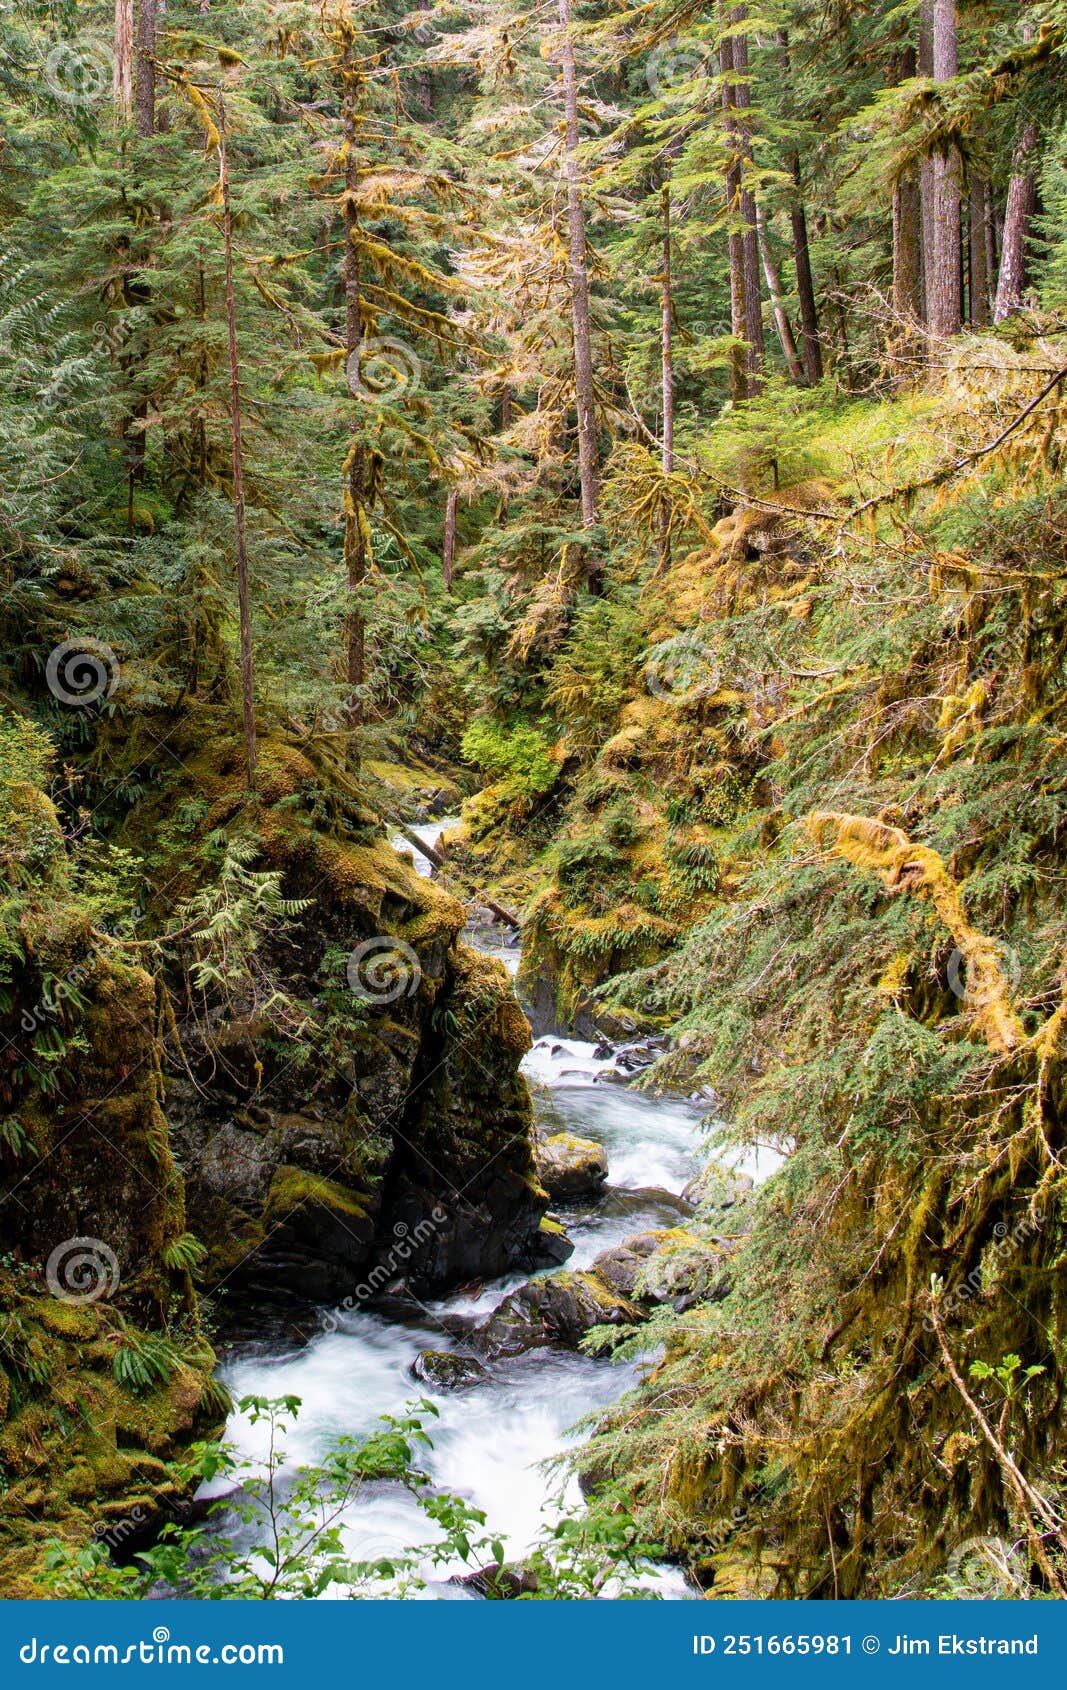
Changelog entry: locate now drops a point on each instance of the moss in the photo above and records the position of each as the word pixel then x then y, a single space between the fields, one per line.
pixel 293 1188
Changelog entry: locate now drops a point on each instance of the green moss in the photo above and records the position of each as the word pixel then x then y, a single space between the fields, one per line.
pixel 293 1188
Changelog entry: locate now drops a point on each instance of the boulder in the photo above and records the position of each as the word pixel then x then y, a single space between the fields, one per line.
pixel 558 1310
pixel 445 1370
pixel 552 1247
pixel 669 1265
pixel 498 1583
pixel 717 1187
pixel 570 1167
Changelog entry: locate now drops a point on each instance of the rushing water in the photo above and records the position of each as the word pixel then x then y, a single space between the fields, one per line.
pixel 490 1441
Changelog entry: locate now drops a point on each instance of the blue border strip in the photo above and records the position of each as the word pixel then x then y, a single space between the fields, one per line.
pixel 532 1645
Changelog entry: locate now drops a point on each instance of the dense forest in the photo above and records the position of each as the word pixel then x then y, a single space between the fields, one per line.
pixel 546 519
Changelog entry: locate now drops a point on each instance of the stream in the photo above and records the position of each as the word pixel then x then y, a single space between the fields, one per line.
pixel 489 1442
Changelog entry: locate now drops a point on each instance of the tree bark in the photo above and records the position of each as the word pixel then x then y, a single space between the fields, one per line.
pixel 926 168
pixel 122 75
pixel 809 316
pixel 145 69
pixel 354 472
pixel 240 546
pixel 907 227
pixel 666 335
pixel 448 549
pixel 578 257
pixel 666 371
pixel 1018 214
pixel 734 243
pixel 424 83
pixel 907 248
pixel 774 288
pixel 750 237
pixel 977 270
pixel 947 301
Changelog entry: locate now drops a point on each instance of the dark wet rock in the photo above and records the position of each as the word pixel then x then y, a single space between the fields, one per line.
pixel 620 1265
pixel 570 1167
pixel 559 1310
pixel 672 1265
pixel 447 1371
pixel 331 1180
pixel 552 1246
pixel 717 1187
pixel 498 1583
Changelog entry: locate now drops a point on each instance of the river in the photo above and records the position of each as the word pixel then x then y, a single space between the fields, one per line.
pixel 490 1442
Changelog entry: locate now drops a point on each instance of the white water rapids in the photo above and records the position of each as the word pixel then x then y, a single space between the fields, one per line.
pixel 490 1440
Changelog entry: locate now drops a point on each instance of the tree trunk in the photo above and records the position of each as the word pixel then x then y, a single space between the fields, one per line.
pixel 240 547
pixel 588 464
pixel 750 237
pixel 424 83
pixel 926 167
pixel 977 270
pixel 947 301
pixel 145 69
pixel 991 263
pixel 122 76
pixel 448 549
pixel 774 288
pixel 354 472
pixel 907 228
pixel 666 335
pixel 907 248
pixel 809 316
pixel 734 243
pixel 1018 215
pixel 666 372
